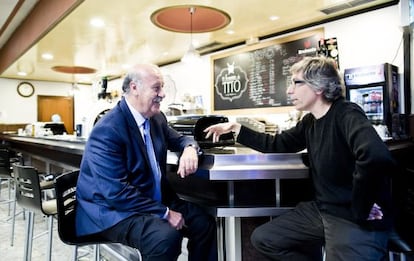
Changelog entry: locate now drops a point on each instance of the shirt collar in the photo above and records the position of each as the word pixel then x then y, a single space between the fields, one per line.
pixel 139 119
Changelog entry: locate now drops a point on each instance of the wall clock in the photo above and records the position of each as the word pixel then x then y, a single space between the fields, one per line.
pixel 25 89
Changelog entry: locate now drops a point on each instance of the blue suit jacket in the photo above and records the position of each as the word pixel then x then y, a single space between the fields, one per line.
pixel 115 178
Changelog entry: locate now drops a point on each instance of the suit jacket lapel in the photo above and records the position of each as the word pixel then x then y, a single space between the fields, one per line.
pixel 138 139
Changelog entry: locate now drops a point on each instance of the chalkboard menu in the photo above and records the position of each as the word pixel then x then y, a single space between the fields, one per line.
pixel 257 76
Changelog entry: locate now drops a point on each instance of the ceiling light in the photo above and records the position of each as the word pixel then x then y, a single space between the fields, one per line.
pixel 24 69
pixel 47 56
pixel 273 18
pixel 191 55
pixel 97 22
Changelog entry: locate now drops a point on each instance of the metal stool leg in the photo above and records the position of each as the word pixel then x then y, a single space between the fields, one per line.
pixel 50 238
pixel 401 256
pixel 29 237
pixel 13 223
pixel 390 256
pixel 13 220
pixel 96 252
pixel 75 253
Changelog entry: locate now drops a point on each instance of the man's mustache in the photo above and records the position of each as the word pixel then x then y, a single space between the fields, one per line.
pixel 157 99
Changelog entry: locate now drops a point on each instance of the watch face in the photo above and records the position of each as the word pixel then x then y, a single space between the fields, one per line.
pixel 25 89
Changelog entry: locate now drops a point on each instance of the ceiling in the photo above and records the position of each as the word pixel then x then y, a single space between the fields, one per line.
pixel 129 36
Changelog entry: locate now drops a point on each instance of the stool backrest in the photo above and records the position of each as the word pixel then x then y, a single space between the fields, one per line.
pixel 28 194
pixel 5 169
pixel 65 188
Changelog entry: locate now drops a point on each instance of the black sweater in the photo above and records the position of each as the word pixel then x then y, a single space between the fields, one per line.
pixel 350 165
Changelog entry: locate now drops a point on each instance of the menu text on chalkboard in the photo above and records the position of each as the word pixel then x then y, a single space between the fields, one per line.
pixel 258 76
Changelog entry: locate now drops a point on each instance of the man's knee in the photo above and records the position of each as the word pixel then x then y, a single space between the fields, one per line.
pixel 261 239
pixel 165 247
pixel 257 238
pixel 170 243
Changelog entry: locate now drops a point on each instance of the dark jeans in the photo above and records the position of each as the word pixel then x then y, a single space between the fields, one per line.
pixel 157 240
pixel 300 234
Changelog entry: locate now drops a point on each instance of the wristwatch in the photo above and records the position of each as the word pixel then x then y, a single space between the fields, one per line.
pixel 199 151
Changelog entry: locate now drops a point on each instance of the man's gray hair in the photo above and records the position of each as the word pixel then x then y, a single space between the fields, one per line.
pixel 136 74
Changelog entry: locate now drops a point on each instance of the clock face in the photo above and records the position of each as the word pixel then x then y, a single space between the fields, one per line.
pixel 25 89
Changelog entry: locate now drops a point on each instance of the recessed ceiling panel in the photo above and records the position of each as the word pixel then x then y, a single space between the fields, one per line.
pixel 190 18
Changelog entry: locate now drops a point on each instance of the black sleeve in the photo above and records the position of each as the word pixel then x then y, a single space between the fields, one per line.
pixel 289 141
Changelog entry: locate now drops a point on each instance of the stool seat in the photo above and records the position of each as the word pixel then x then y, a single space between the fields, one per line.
pixel 47 184
pixel 397 244
pixel 49 207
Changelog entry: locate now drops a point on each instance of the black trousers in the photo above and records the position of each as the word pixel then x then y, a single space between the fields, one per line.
pixel 157 240
pixel 301 233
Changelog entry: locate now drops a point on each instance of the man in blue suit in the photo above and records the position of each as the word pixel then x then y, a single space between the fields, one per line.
pixel 117 190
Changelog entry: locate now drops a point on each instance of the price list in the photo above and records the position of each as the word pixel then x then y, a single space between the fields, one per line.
pixel 259 78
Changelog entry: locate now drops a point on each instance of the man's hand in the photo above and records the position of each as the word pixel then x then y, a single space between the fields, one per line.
pixel 175 219
pixel 375 212
pixel 188 163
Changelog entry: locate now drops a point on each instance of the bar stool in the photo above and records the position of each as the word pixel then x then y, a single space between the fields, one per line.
pixel 397 246
pixel 6 174
pixel 65 186
pixel 29 197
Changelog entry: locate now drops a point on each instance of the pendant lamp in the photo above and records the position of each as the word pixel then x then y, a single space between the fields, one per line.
pixel 175 19
pixel 191 55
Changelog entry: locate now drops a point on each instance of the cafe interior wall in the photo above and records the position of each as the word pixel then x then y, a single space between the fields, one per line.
pixel 15 109
pixel 365 39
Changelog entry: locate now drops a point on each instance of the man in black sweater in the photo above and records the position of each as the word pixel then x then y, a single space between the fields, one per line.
pixel 350 167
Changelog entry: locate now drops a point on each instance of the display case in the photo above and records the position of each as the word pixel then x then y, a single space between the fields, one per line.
pixel 376 89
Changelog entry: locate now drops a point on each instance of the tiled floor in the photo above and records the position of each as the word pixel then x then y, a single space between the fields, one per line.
pixel 60 251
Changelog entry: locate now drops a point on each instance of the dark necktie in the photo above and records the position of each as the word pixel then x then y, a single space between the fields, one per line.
pixel 153 160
